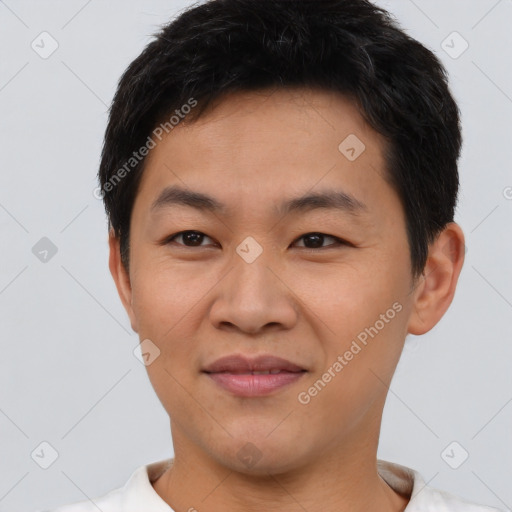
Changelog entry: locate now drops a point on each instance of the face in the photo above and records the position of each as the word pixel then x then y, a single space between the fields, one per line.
pixel 323 283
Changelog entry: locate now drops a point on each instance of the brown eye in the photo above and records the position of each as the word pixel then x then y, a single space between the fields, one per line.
pixel 316 240
pixel 189 238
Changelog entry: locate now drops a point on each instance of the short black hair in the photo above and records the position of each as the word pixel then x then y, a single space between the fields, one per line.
pixel 217 47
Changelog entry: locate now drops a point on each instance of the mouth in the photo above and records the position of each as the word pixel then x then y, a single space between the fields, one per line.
pixel 251 377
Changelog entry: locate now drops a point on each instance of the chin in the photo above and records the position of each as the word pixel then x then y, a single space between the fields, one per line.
pixel 261 455
pixel 263 465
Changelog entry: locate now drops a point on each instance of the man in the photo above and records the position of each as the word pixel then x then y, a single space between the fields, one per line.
pixel 280 180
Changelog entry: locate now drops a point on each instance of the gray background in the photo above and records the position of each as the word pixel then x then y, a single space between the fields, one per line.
pixel 68 374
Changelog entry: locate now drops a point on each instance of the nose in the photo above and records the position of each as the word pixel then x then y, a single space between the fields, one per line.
pixel 253 298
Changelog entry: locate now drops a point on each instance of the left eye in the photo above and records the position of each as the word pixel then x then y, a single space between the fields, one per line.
pixel 311 240
pixel 316 240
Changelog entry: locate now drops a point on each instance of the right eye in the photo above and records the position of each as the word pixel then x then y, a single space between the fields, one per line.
pixel 190 238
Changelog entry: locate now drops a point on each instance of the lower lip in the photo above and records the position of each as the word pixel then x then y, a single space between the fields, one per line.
pixel 248 385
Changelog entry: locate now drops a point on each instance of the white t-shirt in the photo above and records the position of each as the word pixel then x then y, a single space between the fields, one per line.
pixel 138 494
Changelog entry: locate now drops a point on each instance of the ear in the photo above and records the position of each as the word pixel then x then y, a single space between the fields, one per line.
pixel 121 278
pixel 434 291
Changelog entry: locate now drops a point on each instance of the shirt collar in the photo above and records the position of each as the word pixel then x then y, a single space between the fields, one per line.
pixel 139 492
pixel 407 482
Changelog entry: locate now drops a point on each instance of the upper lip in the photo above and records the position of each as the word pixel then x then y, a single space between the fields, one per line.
pixel 241 363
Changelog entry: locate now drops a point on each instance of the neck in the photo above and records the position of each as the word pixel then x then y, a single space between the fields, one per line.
pixel 343 479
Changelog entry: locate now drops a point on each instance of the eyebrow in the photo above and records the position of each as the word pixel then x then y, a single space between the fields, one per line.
pixel 326 199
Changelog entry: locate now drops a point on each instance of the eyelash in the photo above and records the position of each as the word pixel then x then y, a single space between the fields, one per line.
pixel 338 241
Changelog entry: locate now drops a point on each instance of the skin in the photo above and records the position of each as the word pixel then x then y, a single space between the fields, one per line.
pixel 307 305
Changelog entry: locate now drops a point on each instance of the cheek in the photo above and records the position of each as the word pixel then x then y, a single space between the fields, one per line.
pixel 164 298
pixel 363 319
pixel 342 393
pixel 349 299
pixel 167 312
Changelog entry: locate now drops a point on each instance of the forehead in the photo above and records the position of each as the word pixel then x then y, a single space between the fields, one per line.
pixel 254 148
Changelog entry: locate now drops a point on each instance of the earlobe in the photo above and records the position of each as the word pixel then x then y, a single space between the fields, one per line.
pixel 121 278
pixel 435 289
